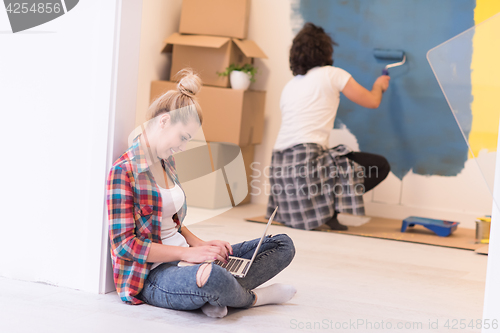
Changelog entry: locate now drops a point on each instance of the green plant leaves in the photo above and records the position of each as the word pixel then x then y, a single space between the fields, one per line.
pixel 246 68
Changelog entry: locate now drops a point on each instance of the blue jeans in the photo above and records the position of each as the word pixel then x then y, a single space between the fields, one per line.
pixel 173 287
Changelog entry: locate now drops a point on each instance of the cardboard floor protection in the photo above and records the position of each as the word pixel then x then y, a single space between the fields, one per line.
pixel 483 250
pixel 377 227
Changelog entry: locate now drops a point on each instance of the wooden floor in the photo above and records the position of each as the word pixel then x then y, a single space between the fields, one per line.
pixel 345 284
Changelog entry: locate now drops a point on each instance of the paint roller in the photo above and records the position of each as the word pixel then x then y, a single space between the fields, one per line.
pixel 392 55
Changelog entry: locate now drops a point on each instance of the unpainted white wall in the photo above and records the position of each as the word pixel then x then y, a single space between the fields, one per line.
pixel 160 19
pixel 491 307
pixel 56 84
pixel 122 108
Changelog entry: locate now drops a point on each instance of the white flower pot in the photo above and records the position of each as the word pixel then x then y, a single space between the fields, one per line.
pixel 240 80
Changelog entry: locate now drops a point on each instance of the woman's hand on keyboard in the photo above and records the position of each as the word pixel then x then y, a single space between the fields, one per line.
pixel 199 254
pixel 224 246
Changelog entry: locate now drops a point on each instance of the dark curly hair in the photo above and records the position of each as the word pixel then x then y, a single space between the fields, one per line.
pixel 311 47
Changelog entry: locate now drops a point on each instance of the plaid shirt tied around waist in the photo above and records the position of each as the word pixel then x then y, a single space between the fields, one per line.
pixel 308 183
pixel 134 217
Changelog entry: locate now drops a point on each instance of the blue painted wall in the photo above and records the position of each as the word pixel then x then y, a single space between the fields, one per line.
pixel 413 127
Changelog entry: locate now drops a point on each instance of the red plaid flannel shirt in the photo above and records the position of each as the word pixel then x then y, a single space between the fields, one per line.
pixel 134 216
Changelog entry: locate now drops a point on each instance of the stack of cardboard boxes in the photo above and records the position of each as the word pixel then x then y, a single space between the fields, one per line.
pixel 212 35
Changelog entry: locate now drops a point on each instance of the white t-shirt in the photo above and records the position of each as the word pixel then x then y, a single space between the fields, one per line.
pixel 172 201
pixel 309 105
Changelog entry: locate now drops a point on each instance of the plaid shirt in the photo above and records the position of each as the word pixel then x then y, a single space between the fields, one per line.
pixel 308 183
pixel 134 215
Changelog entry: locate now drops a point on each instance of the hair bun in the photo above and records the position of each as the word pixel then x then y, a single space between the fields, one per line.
pixel 189 83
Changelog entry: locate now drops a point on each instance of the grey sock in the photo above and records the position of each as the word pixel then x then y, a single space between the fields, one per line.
pixel 214 311
pixel 274 294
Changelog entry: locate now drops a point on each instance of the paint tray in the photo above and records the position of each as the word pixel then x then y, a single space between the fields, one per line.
pixel 440 227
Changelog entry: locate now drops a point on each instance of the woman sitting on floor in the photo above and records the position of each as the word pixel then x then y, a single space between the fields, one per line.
pixel 146 207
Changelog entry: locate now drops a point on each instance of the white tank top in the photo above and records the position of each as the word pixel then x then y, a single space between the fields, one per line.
pixel 172 200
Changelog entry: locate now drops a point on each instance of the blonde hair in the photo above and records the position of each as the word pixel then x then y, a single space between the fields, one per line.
pixel 185 95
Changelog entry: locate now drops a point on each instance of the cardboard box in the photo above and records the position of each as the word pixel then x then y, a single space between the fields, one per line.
pixel 215 175
pixel 215 17
pixel 229 115
pixel 208 55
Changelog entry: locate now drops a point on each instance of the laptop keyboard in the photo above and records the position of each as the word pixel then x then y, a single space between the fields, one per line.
pixel 232 265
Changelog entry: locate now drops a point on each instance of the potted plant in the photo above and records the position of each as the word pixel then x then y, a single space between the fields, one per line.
pixel 240 76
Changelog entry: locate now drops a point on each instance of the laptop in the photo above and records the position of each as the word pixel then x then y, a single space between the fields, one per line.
pixel 238 266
